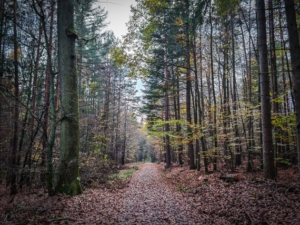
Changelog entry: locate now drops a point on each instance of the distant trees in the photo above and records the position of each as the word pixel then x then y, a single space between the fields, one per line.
pixel 209 99
pixel 219 80
pixel 38 145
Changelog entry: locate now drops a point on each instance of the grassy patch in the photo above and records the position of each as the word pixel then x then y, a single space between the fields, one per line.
pixel 123 174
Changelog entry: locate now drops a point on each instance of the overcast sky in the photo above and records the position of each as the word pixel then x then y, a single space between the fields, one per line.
pixel 118 14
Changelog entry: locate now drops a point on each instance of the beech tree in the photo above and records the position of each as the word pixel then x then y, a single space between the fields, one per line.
pixel 68 180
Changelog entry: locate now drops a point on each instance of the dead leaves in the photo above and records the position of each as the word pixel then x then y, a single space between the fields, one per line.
pixel 152 197
pixel 253 200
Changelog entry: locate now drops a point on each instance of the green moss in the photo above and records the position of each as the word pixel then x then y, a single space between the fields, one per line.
pixel 123 174
pixel 75 188
pixel 71 189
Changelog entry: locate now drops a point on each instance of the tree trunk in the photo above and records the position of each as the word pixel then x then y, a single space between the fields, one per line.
pixel 188 94
pixel 178 117
pixel 14 155
pixel 215 139
pixel 1 38
pixel 201 112
pixel 167 125
pixel 68 171
pixel 48 143
pixel 238 157
pixel 248 94
pixel 125 137
pixel 275 94
pixel 197 108
pixel 295 58
pixel 268 151
pixel 34 91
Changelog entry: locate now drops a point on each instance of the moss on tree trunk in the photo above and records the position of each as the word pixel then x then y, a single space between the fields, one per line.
pixel 68 172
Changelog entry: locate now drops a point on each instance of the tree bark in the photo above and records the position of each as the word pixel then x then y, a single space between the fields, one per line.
pixel 215 139
pixel 188 93
pixel 167 125
pixel 68 171
pixel 238 157
pixel 14 155
pixel 295 59
pixel 268 151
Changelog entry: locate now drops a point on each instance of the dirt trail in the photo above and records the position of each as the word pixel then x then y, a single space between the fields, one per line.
pixel 150 200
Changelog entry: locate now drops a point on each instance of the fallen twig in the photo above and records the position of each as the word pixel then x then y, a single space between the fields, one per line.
pixel 287 190
pixel 250 218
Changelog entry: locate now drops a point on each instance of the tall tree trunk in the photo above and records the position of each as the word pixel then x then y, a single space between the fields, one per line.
pixel 68 170
pixel 248 93
pixel 14 155
pixel 268 151
pixel 124 137
pixel 188 92
pixel 238 157
pixel 275 94
pixel 215 139
pixel 1 38
pixel 197 109
pixel 226 103
pixel 105 115
pixel 167 125
pixel 286 108
pixel 201 111
pixel 48 143
pixel 178 117
pixel 25 121
pixel 295 58
pixel 34 92
pixel 117 130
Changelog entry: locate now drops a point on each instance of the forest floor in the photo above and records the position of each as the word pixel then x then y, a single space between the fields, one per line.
pixel 155 195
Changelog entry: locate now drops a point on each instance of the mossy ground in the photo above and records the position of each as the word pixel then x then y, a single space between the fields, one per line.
pixel 123 174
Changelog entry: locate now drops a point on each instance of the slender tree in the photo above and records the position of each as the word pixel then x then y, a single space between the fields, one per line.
pixel 14 155
pixel 295 59
pixel 268 151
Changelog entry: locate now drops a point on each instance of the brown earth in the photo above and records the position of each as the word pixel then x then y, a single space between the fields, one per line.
pixel 155 195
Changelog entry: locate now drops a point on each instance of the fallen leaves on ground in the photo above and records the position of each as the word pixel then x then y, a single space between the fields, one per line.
pixel 254 200
pixel 156 195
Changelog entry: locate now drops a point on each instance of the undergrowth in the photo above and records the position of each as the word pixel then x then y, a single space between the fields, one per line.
pixel 123 174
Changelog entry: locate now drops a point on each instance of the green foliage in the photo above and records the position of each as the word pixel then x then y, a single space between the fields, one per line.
pixel 155 5
pixel 105 158
pixel 180 188
pixel 119 56
pixel 284 122
pixel 282 161
pixel 123 174
pixel 224 7
pixel 99 142
pixel 93 87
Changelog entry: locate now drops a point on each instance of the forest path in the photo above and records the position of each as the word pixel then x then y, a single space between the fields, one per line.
pixel 149 199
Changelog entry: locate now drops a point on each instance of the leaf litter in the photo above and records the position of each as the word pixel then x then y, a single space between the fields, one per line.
pixel 155 195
